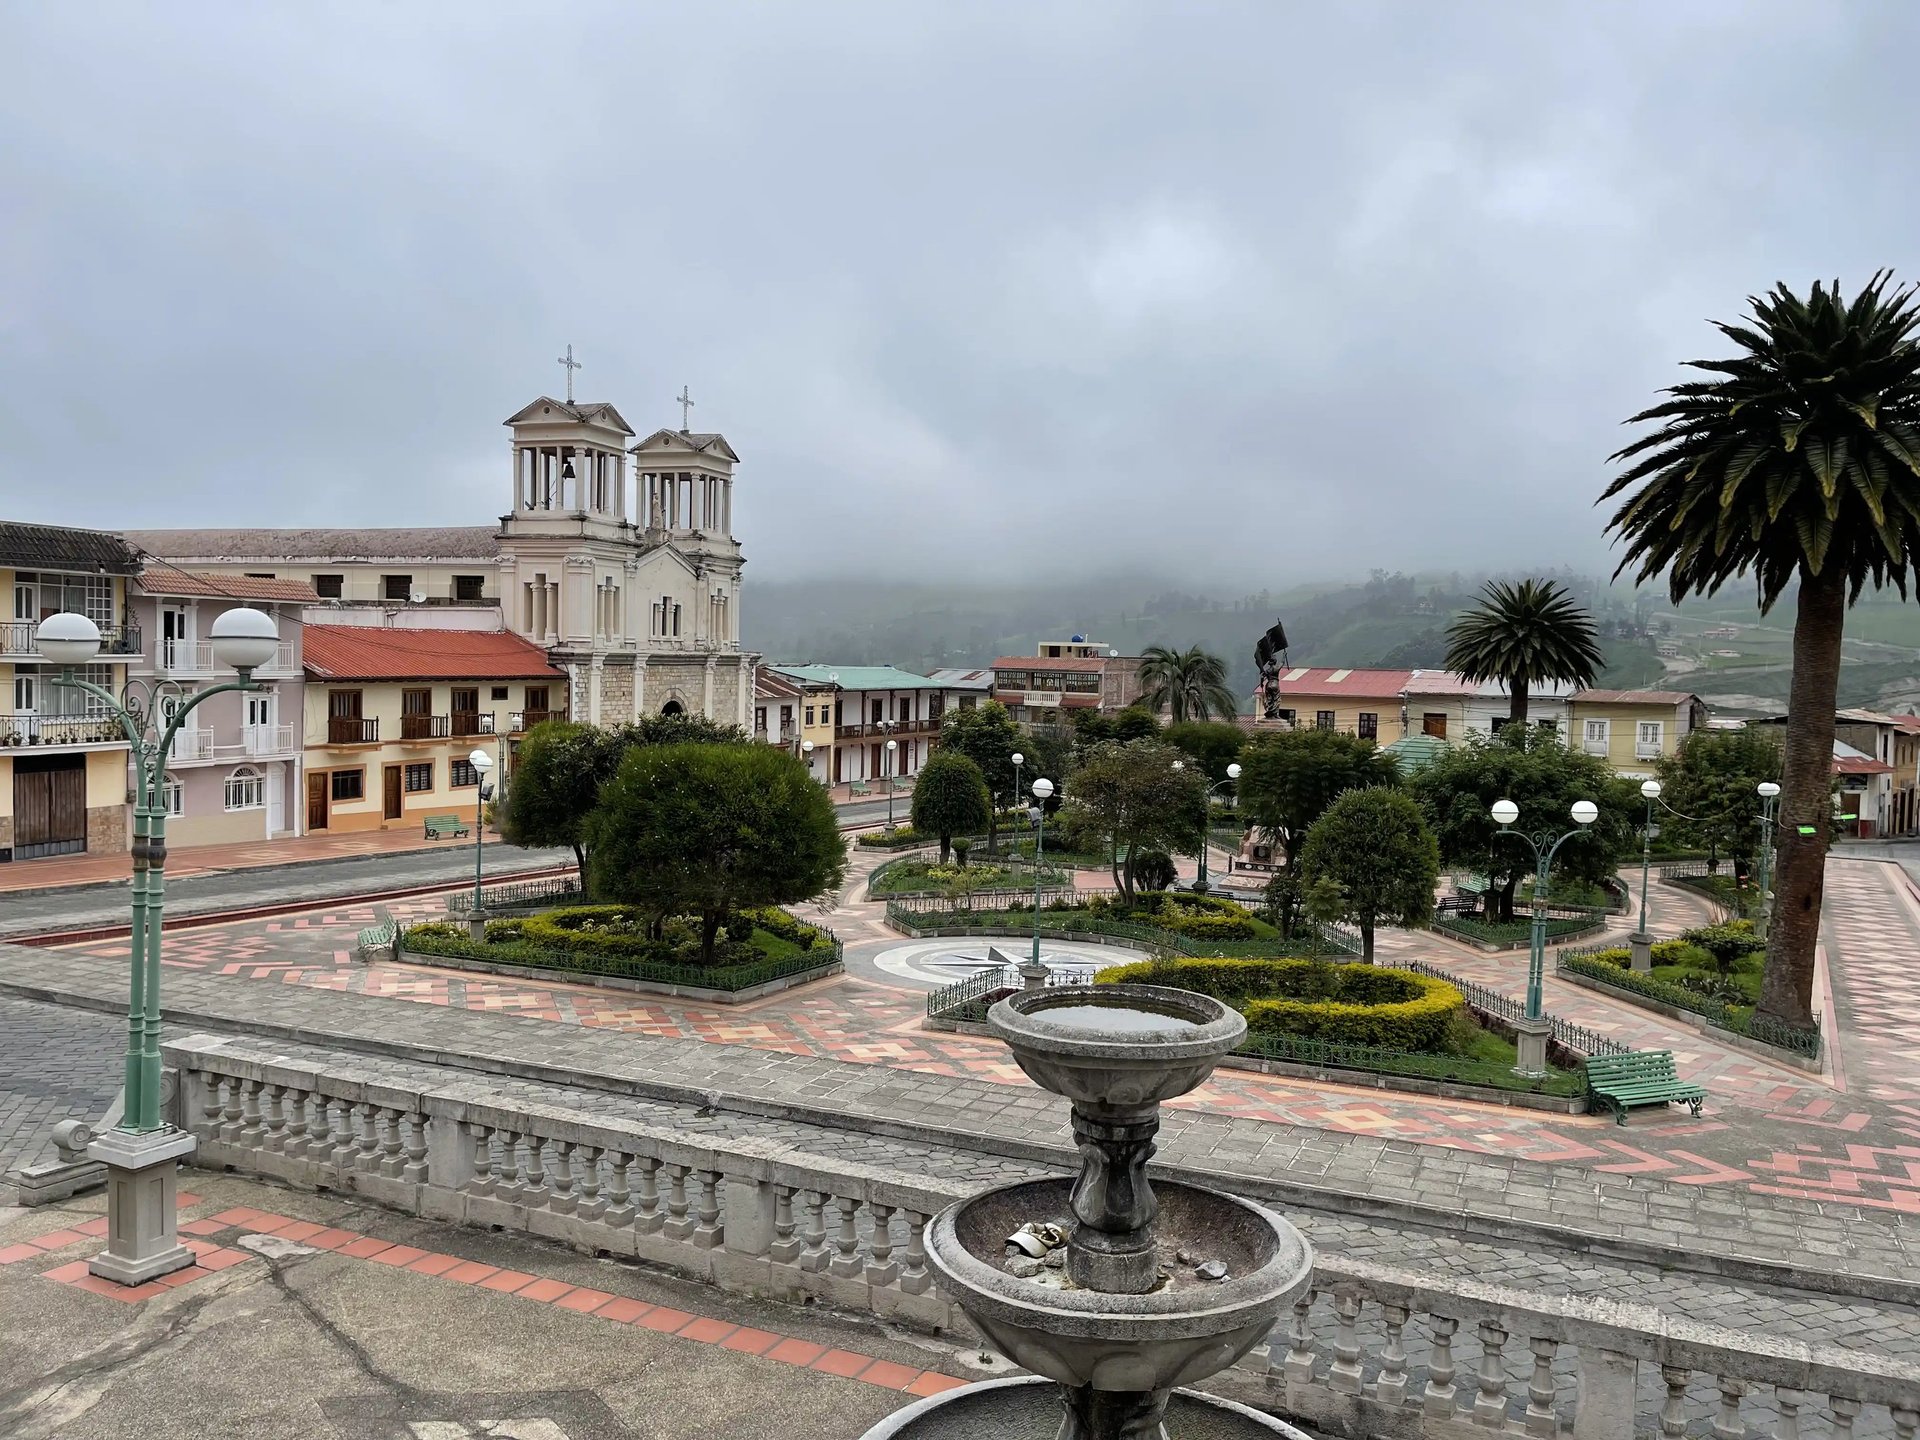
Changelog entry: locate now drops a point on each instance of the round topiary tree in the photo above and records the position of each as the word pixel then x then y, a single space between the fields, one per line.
pixel 1376 847
pixel 950 798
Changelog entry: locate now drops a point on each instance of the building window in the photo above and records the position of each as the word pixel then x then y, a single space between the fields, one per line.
pixel 759 719
pixel 349 784
pixel 1369 725
pixel 1596 737
pixel 1323 719
pixel 396 587
pixel 499 692
pixel 246 789
pixel 419 777
pixel 809 714
pixel 328 587
pixel 1647 736
pixel 469 587
pixel 461 775
pixel 173 796
pixel 1434 723
pixel 786 718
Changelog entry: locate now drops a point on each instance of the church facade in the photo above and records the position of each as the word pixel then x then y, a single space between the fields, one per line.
pixel 616 556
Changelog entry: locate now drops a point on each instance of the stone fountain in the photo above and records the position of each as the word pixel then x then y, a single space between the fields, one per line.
pixel 1113 1292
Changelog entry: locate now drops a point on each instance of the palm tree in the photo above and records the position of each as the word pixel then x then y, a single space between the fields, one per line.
pixel 1189 684
pixel 1526 634
pixel 1797 460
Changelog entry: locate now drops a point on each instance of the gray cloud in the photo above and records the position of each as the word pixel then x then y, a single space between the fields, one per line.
pixel 1251 291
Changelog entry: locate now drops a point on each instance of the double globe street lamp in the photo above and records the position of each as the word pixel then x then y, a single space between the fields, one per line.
pixel 1206 832
pixel 1532 1031
pixel 1035 973
pixel 482 792
pixel 141 1151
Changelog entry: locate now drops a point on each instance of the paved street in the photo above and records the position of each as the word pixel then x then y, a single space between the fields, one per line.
pixel 56 1064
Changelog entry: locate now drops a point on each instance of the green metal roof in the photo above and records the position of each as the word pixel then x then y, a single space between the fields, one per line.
pixel 859 677
pixel 1416 752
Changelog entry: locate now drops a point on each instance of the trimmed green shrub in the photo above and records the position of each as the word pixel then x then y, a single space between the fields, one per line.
pixel 1345 1004
pixel 506 931
pixel 443 929
pixel 1153 869
pixel 739 927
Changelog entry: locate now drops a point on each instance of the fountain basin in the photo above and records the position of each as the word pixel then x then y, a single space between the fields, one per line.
pixel 1023 1408
pixel 1181 1331
pixel 1116 1048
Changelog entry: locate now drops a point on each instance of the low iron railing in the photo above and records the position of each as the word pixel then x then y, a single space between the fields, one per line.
pixel 520 895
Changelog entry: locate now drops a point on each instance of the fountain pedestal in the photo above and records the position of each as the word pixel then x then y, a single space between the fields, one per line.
pixel 1161 1287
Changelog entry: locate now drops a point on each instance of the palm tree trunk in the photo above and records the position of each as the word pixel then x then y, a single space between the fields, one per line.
pixel 1517 701
pixel 1806 798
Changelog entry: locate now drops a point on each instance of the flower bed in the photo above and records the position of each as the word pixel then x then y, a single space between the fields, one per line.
pixel 1311 999
pixel 900 837
pixel 759 946
pixel 928 877
pixel 1511 934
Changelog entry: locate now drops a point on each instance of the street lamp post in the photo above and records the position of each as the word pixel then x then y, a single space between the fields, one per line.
pixel 1769 794
pixel 1018 761
pixel 1033 974
pixel 1532 1031
pixel 1642 939
pixel 141 1152
pixel 482 792
pixel 1206 834
pixel 806 755
pixel 892 747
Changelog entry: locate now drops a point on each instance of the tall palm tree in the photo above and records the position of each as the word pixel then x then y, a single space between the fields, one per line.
pixel 1190 684
pixel 1797 460
pixel 1523 635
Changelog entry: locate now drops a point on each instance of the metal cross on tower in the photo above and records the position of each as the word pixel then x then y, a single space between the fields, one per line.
pixel 572 365
pixel 685 400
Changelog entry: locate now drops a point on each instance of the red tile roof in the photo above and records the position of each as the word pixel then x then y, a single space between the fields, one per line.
pixel 1322 681
pixel 365 652
pixel 167 581
pixel 1078 664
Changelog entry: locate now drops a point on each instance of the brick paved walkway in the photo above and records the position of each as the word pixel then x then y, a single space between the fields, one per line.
pixel 55 1064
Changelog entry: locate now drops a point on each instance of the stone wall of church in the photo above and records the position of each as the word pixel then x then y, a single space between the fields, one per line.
pixel 674 677
pixel 616 693
pixel 726 691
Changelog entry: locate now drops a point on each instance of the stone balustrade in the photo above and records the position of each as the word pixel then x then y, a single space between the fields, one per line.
pixel 1371 1350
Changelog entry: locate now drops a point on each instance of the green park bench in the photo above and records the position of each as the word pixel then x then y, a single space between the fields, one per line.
pixel 383 938
pixel 856 788
pixel 441 827
pixel 1640 1077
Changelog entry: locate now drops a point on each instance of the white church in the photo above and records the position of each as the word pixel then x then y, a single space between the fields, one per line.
pixel 618 558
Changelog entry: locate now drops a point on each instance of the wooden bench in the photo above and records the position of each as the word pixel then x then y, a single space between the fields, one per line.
pixel 1641 1077
pixel 383 937
pixel 440 827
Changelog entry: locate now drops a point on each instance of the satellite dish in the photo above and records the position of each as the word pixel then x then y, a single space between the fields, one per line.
pixel 419 597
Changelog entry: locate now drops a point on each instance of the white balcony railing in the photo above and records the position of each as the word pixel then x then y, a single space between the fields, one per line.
pixel 253 742
pixel 1647 749
pixel 195 657
pixel 1595 747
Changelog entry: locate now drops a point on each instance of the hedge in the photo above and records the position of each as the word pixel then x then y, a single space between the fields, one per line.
pixel 431 940
pixel 1347 1004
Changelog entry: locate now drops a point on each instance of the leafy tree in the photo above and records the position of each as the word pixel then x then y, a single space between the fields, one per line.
pixel 949 798
pixel 1288 779
pixel 1375 847
pixel 987 736
pixel 1188 684
pixel 709 829
pixel 1523 635
pixel 1131 794
pixel 1136 722
pixel 1709 788
pixel 1049 750
pixel 1213 744
pixel 1283 899
pixel 1796 460
pixel 1154 870
pixel 1535 770
pixel 681 729
pixel 556 782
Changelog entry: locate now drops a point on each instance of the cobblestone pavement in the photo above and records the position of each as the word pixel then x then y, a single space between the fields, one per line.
pixel 1850 1136
pixel 1727 1229
pixel 56 1064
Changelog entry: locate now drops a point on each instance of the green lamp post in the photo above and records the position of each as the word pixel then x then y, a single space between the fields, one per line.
pixel 1033 973
pixel 1769 793
pixel 1531 1032
pixel 1206 833
pixel 1642 939
pixel 140 1152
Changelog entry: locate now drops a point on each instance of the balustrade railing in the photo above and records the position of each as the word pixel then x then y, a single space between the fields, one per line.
pixel 19 639
pixel 352 730
pixel 27 731
pixel 521 721
pixel 1368 1350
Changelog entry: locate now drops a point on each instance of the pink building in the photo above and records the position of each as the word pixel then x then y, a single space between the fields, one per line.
pixel 234 773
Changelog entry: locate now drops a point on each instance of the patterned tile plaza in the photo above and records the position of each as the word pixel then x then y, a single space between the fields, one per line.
pixel 1850 1136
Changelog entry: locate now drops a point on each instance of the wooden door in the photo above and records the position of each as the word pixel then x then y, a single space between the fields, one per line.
pixel 316 800
pixel 49 808
pixel 390 790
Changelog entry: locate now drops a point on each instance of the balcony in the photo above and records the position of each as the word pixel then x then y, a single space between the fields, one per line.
pixel 17 642
pixel 55 731
pixel 473 722
pixel 352 730
pixel 195 657
pixel 255 742
pixel 521 721
pixel 885 729
pixel 1647 750
pixel 1596 747
pixel 426 727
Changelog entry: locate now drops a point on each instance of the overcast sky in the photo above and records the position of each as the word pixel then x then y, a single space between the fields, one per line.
pixel 1261 291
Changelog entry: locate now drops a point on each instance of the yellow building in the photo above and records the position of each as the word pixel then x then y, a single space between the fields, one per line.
pixel 1631 729
pixel 63 759
pixel 1367 703
pixel 392 715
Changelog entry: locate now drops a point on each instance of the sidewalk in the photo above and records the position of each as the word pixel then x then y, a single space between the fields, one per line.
pixel 66 872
